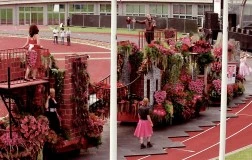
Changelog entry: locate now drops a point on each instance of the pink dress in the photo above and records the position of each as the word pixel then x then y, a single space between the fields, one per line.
pixel 144 128
pixel 33 56
pixel 244 69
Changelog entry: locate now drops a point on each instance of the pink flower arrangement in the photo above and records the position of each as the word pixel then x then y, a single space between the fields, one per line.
pixel 186 41
pixel 14 141
pixel 32 128
pixel 185 77
pixel 27 138
pixel 171 42
pixel 230 91
pixel 239 78
pixel 95 126
pixel 160 96
pixel 217 85
pixel 175 91
pixel 202 46
pixel 216 67
pixel 197 86
pixel 159 111
pixel 217 52
pixel 134 48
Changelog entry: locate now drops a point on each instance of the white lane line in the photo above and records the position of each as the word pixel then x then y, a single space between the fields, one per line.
pixel 143 157
pixel 92 59
pixel 200 133
pixel 218 142
pixel 81 53
pixel 216 124
pixel 243 108
pixel 186 150
pixel 249 115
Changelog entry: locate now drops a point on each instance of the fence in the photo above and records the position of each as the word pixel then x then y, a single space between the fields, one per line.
pixel 181 25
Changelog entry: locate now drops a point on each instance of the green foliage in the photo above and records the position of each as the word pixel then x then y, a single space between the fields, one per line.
pixel 205 59
pixel 136 60
pixel 94 141
pixel 59 76
pixel 173 69
pixel 80 80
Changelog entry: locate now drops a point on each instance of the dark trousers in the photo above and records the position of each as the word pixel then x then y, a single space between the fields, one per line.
pixel 149 35
pixel 55 39
pixel 68 40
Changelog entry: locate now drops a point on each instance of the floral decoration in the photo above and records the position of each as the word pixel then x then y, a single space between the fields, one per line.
pixel 95 126
pixel 197 86
pixel 216 67
pixel 27 138
pixel 160 96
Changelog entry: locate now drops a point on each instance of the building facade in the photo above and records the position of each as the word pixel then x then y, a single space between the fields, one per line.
pixel 50 12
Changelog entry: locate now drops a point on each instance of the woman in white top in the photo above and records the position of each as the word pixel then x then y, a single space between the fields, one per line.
pixel 55 35
pixel 62 35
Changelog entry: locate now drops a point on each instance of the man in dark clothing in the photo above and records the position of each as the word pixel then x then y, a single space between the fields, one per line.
pixel 68 21
pixel 150 25
pixel 128 21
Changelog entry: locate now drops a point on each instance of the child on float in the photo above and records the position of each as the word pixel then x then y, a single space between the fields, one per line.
pixel 51 112
pixel 244 68
pixel 144 126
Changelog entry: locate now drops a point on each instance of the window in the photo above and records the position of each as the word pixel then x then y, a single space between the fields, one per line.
pixel 135 9
pixel 159 10
pixel 81 8
pixel 148 88
pixel 182 11
pixel 201 11
pixel 62 7
pixel 204 8
pixel 105 9
pixel 157 85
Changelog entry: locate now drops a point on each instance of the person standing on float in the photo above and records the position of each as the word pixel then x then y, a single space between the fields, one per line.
pixel 33 55
pixel 150 25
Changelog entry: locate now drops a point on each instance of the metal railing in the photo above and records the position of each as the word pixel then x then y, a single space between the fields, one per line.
pixel 15 60
pixel 159 35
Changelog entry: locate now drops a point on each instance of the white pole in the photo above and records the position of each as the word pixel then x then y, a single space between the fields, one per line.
pixel 222 146
pixel 217 7
pixel 113 83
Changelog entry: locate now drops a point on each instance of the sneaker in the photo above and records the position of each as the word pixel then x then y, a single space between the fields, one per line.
pixel 142 146
pixel 149 145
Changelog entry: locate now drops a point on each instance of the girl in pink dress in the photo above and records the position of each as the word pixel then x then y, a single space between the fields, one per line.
pixel 244 69
pixel 33 44
pixel 144 126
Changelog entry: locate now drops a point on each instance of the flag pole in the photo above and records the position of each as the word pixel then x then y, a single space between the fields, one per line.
pixel 222 146
pixel 113 83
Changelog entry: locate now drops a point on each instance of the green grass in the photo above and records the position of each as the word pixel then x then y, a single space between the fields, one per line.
pixel 244 154
pixel 125 31
pixel 100 30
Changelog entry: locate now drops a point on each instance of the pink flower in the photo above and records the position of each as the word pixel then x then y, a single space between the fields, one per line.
pixel 160 96
pixel 197 86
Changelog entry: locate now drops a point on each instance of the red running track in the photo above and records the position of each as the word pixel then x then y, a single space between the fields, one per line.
pixel 98 64
pixel 205 145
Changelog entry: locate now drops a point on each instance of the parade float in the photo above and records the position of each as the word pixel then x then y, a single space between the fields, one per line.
pixel 181 78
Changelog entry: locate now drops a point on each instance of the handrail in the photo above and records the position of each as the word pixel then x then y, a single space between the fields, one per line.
pixel 15 59
pixel 98 87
